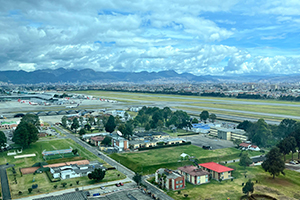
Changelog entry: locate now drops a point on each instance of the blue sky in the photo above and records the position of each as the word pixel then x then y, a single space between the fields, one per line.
pixel 217 37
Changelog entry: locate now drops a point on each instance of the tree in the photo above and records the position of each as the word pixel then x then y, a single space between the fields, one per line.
pixel 91 120
pixel 126 115
pixel 106 141
pixel 195 121
pixel 126 129
pixel 25 134
pixel 82 132
pixel 248 188
pixel 245 125
pixel 204 115
pixel 287 145
pixel 212 117
pixel 64 184
pixel 64 121
pixel 75 124
pixel 29 190
pixel 147 127
pixel 245 160
pixel 286 127
pixel 274 163
pixel 137 178
pixel 75 151
pixel 237 142
pixel 97 174
pixel 33 119
pixel 88 127
pixel 3 139
pixel 110 125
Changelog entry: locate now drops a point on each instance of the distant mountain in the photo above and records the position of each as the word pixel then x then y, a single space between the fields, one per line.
pixel 91 76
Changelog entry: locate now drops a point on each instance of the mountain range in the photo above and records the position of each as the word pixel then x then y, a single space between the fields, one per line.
pixel 62 75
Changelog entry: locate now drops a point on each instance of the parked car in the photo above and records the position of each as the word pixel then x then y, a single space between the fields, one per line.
pixel 117 184
pixel 292 162
pixel 102 188
pixel 121 184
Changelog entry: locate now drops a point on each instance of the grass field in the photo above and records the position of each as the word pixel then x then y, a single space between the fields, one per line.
pixel 282 187
pixel 25 181
pixel 210 102
pixel 147 162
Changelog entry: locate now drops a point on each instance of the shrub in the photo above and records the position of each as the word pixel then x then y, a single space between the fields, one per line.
pixel 64 184
pixel 20 192
pixel 29 190
pixel 77 182
pixel 71 184
pixel 55 186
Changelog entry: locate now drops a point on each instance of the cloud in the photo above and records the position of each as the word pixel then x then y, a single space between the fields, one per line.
pixel 199 37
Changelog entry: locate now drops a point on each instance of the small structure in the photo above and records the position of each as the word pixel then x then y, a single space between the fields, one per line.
pixel 258 160
pixel 120 143
pixel 61 152
pixel 25 155
pixel 194 174
pixel 228 133
pixel 169 179
pixel 217 171
pixel 74 170
pixel 96 140
pixel 249 146
pixel 200 128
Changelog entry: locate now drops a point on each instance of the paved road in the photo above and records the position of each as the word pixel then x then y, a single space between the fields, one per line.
pixel 117 165
pixel 4 182
pixel 157 191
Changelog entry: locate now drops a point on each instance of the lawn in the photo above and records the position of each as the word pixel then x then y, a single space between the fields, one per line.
pixel 45 186
pixel 147 162
pixel 25 181
pixel 178 132
pixel 281 187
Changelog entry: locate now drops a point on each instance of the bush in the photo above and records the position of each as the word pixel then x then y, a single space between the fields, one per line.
pixel 55 186
pixel 71 184
pixel 77 182
pixel 20 192
pixel 64 184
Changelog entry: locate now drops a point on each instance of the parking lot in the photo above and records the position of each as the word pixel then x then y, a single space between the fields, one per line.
pixel 202 140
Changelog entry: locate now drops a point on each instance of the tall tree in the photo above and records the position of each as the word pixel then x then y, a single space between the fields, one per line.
pixel 245 160
pixel 248 188
pixel 137 178
pixel 92 120
pixel 287 145
pixel 33 119
pixel 3 139
pixel 81 121
pixel 82 131
pixel 88 127
pixel 167 112
pixel 274 163
pixel 212 117
pixel 296 135
pixel 75 124
pixel 204 115
pixel 286 127
pixel 25 134
pixel 110 125
pixel 106 141
pixel 237 142
pixel 64 121
pixel 97 174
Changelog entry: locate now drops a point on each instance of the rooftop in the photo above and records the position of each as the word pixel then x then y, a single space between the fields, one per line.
pixel 193 170
pixel 216 167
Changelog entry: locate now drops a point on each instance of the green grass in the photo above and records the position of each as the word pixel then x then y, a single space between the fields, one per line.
pixel 282 186
pixel 147 162
pixel 58 131
pixel 45 185
pixel 178 132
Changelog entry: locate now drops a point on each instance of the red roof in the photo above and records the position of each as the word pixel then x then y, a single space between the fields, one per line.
pixel 244 144
pixel 216 167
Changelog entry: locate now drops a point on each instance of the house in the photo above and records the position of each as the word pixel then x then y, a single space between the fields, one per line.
pixel 200 128
pixel 151 135
pixel 120 143
pixel 249 146
pixel 135 144
pixel 75 170
pixel 96 140
pixel 169 141
pixel 258 160
pixel 9 125
pixel 169 179
pixel 217 171
pixel 194 174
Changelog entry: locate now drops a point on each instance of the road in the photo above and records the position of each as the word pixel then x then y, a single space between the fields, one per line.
pixel 159 193
pixel 4 182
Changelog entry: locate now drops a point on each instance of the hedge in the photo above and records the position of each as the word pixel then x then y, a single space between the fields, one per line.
pixel 188 134
pixel 164 146
pixel 51 177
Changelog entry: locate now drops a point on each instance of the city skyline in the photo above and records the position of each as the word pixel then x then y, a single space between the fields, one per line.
pixel 200 37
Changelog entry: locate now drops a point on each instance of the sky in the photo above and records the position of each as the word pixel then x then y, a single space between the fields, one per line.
pixel 202 37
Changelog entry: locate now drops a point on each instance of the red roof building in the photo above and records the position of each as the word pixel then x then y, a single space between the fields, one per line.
pixel 217 171
pixel 243 144
pixel 194 174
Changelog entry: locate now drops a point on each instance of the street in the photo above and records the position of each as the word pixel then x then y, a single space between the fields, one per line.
pixel 4 182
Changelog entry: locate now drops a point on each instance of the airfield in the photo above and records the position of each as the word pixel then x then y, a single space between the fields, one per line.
pixel 225 108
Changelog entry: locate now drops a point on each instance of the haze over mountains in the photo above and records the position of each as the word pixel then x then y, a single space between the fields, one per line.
pixel 90 76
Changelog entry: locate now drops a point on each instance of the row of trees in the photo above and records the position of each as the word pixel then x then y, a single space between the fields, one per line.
pixel 204 115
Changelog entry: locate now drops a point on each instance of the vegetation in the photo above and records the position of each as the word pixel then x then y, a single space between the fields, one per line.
pixel 245 160
pixel 248 188
pixel 97 174
pixel 137 178
pixel 25 134
pixel 106 141
pixel 75 124
pixel 274 163
pixel 204 115
pixel 64 121
pixel 110 124
pixel 3 139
